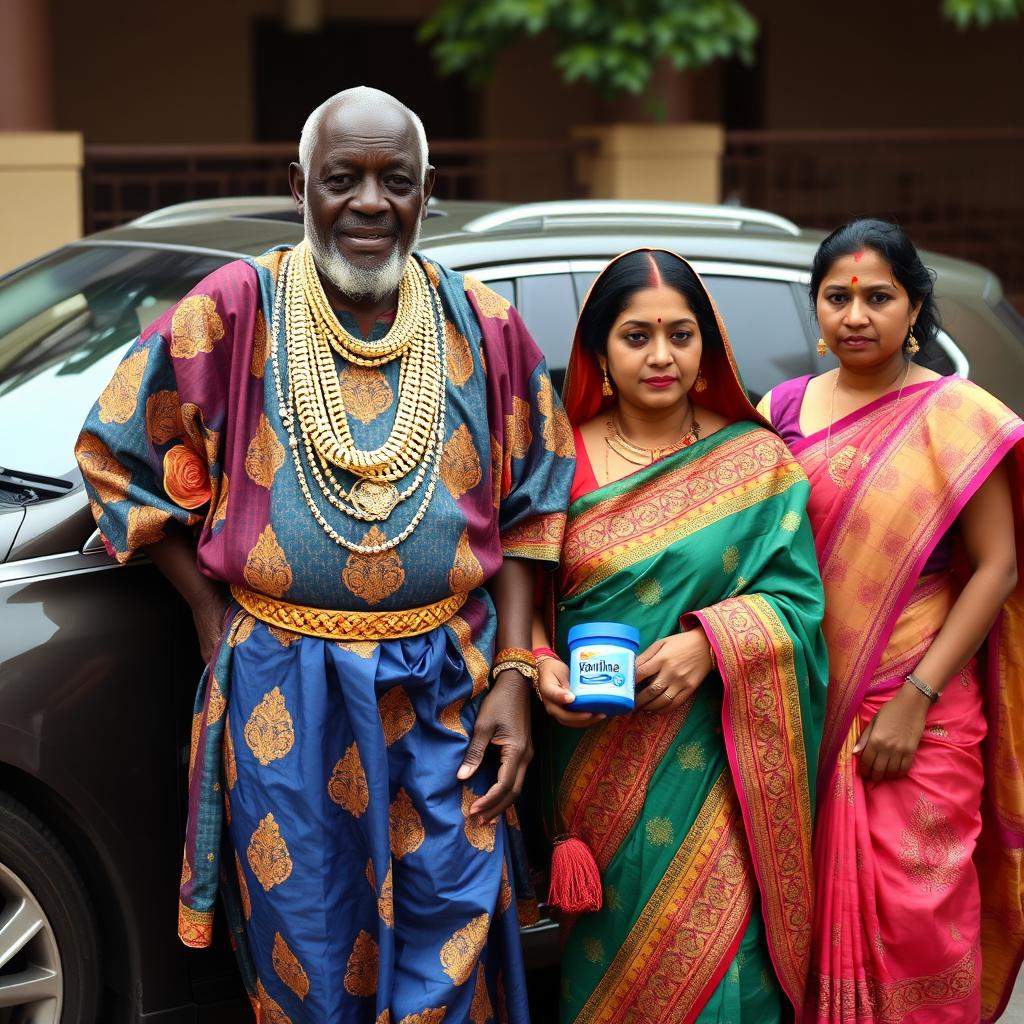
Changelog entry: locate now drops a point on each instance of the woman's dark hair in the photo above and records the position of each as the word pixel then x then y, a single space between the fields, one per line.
pixel 892 244
pixel 631 274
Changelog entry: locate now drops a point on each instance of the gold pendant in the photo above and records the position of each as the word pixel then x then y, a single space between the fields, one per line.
pixel 376 499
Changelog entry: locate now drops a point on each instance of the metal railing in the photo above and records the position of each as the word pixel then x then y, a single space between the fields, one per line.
pixel 956 191
pixel 124 182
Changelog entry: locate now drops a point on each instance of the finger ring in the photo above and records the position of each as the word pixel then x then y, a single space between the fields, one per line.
pixel 670 696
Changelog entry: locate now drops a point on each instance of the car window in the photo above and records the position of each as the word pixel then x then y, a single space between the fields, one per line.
pixel 547 304
pixel 65 322
pixel 506 289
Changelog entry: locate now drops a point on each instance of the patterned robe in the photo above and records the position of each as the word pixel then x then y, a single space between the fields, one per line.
pixel 323 803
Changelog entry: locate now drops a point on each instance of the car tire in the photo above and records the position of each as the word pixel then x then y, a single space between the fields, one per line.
pixel 49 947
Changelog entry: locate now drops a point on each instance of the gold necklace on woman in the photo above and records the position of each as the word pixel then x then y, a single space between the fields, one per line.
pixel 638 456
pixel 839 464
pixel 373 496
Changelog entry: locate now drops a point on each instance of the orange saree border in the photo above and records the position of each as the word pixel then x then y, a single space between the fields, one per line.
pixel 605 783
pixel 764 740
pixel 644 520
pixel 672 957
pixel 539 538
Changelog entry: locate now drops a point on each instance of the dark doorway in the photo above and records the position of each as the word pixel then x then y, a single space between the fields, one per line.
pixel 743 91
pixel 296 71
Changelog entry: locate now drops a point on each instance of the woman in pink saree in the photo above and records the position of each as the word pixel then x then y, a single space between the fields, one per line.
pixel 916 509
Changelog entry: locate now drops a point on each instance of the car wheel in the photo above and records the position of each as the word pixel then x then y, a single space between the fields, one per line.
pixel 49 965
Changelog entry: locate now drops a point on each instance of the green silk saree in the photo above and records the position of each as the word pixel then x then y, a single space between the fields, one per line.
pixel 699 818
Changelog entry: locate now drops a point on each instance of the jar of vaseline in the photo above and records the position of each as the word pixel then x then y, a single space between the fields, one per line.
pixel 602 662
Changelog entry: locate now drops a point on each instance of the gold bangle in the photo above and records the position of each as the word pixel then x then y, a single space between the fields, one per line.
pixel 524 668
pixel 515 654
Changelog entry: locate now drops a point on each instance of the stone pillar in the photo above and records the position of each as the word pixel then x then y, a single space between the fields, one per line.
pixel 679 162
pixel 26 67
pixel 40 193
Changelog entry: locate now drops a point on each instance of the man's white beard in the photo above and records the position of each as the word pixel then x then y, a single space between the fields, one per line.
pixel 359 283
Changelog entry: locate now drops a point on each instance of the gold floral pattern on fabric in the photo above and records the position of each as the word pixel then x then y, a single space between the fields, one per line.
pixel 476 663
pixel 120 397
pixel 268 854
pixel 791 521
pixel 460 358
pixel 556 428
pixel 840 999
pixel 269 733
pixel 386 899
pixel 186 478
pixel 197 434
pixel 659 831
pixel 505 891
pixel 361 972
pixel 931 853
pixel 396 714
pixel 512 817
pixel 593 950
pixel 285 637
pixel 266 568
pixel 373 577
pixel 265 454
pixel 490 302
pixel 466 572
pixel 691 757
pixel 432 272
pixel 480 1010
pixel 648 591
pixel 497 488
pixel 195 927
pixel 258 359
pixel 243 889
pixel 287 967
pixel 271 261
pixel 406 826
pixel 365 392
pixel 217 704
pixel 518 435
pixel 481 835
pixel 186 871
pixel 461 953
pixel 197 724
pixel 163 417
pixel 220 512
pixel 432 1016
pixel 460 463
pixel 539 537
pixel 347 786
pixel 195 327
pixel 450 717
pixel 240 628
pixel 730 559
pixel 360 648
pixel 145 526
pixel 270 1010
pixel 108 477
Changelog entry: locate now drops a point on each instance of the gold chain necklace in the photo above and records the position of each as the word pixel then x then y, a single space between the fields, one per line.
pixel 839 464
pixel 638 456
pixel 288 413
pixel 317 392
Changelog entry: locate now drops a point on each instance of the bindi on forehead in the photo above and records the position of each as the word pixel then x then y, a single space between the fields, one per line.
pixel 858 256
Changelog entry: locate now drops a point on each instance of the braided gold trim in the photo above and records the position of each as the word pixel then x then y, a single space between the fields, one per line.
pixel 348 625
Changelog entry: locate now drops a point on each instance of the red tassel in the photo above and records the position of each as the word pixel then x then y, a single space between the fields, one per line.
pixel 575 879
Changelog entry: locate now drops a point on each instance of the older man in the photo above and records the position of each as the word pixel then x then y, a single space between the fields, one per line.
pixel 354 440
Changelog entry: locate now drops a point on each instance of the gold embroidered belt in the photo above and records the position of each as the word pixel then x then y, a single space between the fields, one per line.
pixel 299 618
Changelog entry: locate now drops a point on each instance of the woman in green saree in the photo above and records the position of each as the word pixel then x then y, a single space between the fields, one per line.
pixel 688 522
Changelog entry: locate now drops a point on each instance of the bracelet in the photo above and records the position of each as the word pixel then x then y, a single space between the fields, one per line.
pixel 922 687
pixel 714 657
pixel 515 654
pixel 524 668
pixel 544 652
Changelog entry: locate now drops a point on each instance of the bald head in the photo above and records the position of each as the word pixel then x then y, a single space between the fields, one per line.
pixel 360 104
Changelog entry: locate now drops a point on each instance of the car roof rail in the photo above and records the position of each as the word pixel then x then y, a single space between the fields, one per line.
pixel 601 212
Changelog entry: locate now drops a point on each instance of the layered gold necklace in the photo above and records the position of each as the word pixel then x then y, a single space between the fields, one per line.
pixel 313 398
pixel 638 456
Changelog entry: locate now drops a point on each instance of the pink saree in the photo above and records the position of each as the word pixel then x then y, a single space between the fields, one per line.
pixel 919 914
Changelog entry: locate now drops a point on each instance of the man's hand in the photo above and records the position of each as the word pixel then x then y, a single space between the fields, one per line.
pixel 208 616
pixel 504 720
pixel 888 744
pixel 557 697
pixel 673 669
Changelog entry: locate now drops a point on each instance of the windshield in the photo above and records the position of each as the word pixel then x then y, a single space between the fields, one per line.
pixel 65 322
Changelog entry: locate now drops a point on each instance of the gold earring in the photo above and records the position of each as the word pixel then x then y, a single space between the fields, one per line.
pixel 700 382
pixel 822 348
pixel 912 346
pixel 606 385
